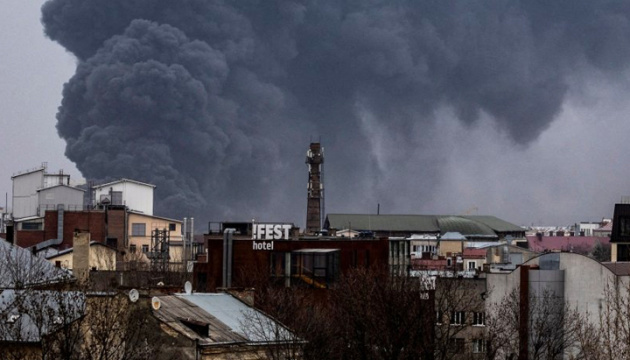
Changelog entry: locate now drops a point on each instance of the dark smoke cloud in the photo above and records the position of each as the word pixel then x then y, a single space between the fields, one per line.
pixel 215 102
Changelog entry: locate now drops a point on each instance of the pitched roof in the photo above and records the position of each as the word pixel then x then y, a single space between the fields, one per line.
pixel 32 314
pixel 122 181
pixel 225 316
pixel 20 268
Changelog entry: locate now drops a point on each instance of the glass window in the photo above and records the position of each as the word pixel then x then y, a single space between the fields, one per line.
pixel 132 248
pixel 479 318
pixel 479 346
pixel 138 229
pixel 456 345
pixel 458 317
pixel 145 248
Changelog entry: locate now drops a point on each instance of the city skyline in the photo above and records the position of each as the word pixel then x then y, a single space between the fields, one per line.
pixel 568 170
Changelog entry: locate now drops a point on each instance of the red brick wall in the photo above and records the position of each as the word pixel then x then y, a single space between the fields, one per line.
pixel 353 253
pixel 92 221
pixel 27 238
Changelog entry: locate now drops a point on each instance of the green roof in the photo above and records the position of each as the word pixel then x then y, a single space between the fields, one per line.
pixel 466 225
pixel 495 223
pixel 370 222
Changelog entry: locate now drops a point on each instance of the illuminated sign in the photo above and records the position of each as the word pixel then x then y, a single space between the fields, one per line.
pixel 270 231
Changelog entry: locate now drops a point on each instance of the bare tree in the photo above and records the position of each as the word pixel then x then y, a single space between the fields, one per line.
pixel 536 326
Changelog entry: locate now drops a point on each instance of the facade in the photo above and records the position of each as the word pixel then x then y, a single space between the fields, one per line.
pixel 578 280
pixel 245 255
pixel 144 234
pixel 620 236
pixel 135 195
pixel 101 257
pixel 36 191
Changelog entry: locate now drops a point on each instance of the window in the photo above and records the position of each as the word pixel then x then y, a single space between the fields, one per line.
pixel 31 226
pixel 438 317
pixel 172 227
pixel 479 318
pixel 472 265
pixel 449 262
pixel 132 248
pixel 456 345
pixel 145 248
pixel 458 317
pixel 138 229
pixel 479 346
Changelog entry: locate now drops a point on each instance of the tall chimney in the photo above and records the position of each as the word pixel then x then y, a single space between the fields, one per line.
pixel 315 198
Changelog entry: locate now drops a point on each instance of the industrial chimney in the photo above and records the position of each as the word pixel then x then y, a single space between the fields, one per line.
pixel 315 199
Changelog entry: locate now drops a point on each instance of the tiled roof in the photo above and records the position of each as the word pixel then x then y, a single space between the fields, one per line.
pixel 470 253
pixel 564 243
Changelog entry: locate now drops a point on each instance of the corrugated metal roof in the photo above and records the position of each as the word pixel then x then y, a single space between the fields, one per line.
pixel 175 309
pixel 463 226
pixel 237 315
pixel 467 225
pixel 495 223
pixel 226 316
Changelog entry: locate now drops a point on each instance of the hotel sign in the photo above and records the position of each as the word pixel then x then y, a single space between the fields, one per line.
pixel 270 231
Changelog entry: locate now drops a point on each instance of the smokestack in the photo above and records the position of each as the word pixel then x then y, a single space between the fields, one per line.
pixel 315 161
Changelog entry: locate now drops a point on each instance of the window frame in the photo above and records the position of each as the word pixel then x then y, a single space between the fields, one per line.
pixel 458 318
pixel 135 227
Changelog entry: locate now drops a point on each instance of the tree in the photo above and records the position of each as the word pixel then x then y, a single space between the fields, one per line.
pixel 536 326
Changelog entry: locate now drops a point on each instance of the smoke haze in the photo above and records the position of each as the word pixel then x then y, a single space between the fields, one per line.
pixel 424 107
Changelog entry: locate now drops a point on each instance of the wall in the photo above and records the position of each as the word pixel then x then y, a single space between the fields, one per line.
pixel 101 257
pixel 151 223
pixel 25 198
pixel 137 197
pixel 49 198
pixel 246 260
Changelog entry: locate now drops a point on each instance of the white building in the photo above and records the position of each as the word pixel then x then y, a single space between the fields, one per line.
pixel 36 191
pixel 136 195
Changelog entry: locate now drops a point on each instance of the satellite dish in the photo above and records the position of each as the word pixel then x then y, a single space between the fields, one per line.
pixel 188 288
pixel 156 303
pixel 133 295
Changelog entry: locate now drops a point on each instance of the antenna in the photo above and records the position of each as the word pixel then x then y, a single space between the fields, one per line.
pixel 188 288
pixel 156 303
pixel 133 295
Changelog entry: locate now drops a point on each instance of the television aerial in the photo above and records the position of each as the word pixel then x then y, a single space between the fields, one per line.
pixel 156 303
pixel 134 295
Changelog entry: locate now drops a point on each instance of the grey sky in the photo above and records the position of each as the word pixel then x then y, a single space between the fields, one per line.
pixel 539 138
pixel 32 72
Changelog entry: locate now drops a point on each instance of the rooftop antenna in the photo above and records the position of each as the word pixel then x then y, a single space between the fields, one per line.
pixel 156 304
pixel 134 295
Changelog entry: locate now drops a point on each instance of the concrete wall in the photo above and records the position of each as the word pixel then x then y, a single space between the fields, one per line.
pixel 135 196
pixel 49 198
pixel 25 193
pixel 100 257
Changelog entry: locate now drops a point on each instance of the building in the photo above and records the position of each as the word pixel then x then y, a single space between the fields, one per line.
pixel 474 228
pixel 241 254
pixel 579 244
pixel 135 195
pixel 579 281
pixel 220 326
pixel 37 191
pixel 620 236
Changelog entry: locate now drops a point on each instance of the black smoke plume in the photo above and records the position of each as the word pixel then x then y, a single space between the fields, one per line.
pixel 215 102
